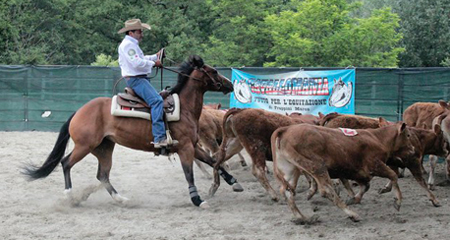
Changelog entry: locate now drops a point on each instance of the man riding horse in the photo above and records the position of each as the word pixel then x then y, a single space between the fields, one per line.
pixel 135 67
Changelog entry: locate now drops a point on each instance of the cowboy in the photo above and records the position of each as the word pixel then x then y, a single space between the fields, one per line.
pixel 135 67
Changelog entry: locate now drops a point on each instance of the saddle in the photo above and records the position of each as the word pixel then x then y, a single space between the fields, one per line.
pixel 128 104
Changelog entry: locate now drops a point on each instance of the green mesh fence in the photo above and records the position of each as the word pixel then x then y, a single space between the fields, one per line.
pixel 28 94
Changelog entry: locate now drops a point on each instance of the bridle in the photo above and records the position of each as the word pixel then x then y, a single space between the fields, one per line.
pixel 217 84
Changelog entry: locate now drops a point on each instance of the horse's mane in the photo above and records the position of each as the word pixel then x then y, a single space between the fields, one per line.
pixel 186 68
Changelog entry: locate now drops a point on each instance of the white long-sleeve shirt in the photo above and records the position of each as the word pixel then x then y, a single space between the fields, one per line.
pixel 132 60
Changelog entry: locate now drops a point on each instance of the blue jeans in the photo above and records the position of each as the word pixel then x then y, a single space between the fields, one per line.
pixel 143 88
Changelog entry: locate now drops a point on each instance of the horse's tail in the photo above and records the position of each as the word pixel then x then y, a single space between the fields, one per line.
pixel 328 117
pixel 34 172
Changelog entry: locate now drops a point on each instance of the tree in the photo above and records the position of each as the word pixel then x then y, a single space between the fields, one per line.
pixel 425 26
pixel 323 33
pixel 239 36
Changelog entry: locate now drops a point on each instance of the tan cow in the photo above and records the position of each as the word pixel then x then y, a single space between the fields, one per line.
pixel 326 153
pixel 337 120
pixel 421 115
pixel 210 133
pixel 251 129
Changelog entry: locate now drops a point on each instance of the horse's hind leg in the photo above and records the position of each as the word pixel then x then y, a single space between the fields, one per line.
pixel 104 155
pixel 78 153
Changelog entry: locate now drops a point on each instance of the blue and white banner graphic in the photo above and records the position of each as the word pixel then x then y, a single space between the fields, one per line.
pixel 301 91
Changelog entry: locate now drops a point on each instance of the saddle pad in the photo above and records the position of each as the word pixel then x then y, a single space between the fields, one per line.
pixel 349 132
pixel 117 110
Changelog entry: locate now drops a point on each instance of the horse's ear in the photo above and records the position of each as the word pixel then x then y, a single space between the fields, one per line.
pixel 196 61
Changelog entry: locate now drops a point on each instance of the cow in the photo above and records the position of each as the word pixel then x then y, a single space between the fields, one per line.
pixel 421 115
pixel 251 129
pixel 444 122
pixel 337 120
pixel 325 153
pixel 425 142
pixel 210 133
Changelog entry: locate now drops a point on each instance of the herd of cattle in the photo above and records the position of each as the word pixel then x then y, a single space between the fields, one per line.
pixel 332 146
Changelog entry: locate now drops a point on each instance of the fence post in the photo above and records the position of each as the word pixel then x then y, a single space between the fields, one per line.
pixel 400 100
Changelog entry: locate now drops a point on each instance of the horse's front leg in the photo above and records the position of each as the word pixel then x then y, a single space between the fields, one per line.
pixel 201 155
pixel 187 159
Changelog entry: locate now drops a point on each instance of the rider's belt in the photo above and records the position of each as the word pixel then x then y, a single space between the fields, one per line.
pixel 137 76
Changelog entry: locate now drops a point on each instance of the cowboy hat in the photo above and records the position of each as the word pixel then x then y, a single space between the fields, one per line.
pixel 134 24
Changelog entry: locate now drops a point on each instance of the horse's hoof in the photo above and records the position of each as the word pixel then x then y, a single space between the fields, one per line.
pixel 120 199
pixel 68 193
pixel 237 187
pixel 204 205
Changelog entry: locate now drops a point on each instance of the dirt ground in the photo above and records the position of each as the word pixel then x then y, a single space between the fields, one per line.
pixel 160 207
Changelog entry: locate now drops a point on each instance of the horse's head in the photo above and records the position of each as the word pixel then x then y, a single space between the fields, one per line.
pixel 194 68
pixel 211 77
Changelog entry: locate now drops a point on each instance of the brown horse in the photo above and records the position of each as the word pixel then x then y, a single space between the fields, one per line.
pixel 94 130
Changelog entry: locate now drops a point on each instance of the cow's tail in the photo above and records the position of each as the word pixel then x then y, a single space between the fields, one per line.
pixel 276 148
pixel 34 172
pixel 227 133
pixel 330 116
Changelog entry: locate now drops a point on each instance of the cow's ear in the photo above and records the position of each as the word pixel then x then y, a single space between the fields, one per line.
pixel 382 122
pixel 219 106
pixel 321 115
pixel 403 127
pixel 444 104
pixel 437 129
pixel 439 118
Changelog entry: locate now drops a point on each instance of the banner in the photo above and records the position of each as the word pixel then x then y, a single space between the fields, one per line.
pixel 301 91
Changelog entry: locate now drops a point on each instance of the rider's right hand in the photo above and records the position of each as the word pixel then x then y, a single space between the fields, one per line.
pixel 158 63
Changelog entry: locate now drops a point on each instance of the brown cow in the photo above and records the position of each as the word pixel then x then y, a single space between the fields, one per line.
pixel 323 153
pixel 251 129
pixel 444 122
pixel 425 142
pixel 210 130
pixel 337 120
pixel 421 115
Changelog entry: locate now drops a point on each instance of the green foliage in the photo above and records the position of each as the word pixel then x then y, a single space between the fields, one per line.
pixel 231 33
pixel 446 62
pixel 105 60
pixel 322 33
pixel 425 26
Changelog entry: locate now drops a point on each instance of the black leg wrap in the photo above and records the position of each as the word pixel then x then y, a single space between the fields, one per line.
pixel 195 198
pixel 227 177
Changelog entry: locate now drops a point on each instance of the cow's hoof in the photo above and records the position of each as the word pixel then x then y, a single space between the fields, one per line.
pixel 350 201
pixel 431 187
pixel 275 199
pixel 306 221
pixel 384 190
pixel 355 218
pixel 237 187
pixel 213 189
pixel 397 205
pixel 444 183
pixel 435 203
